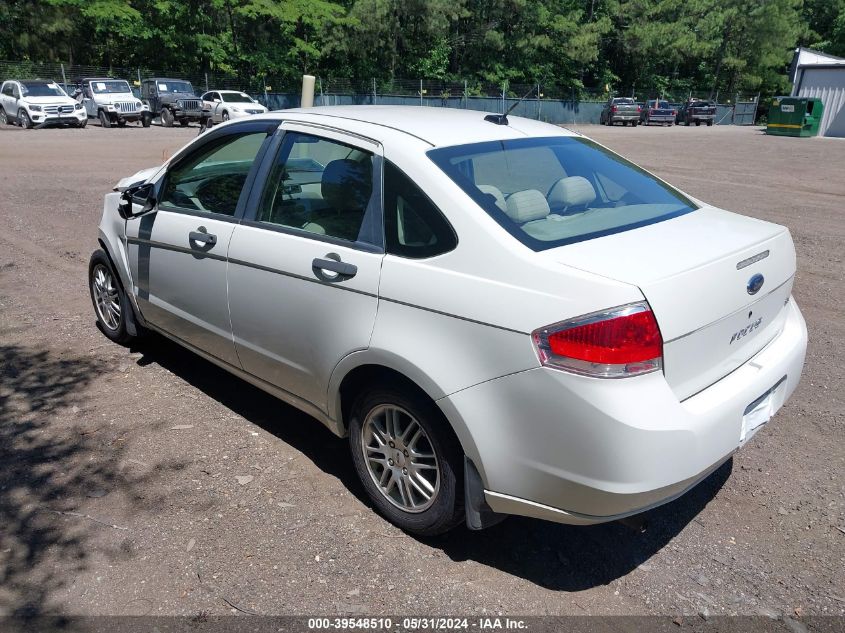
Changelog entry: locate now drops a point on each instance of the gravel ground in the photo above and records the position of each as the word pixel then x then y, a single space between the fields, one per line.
pixel 147 481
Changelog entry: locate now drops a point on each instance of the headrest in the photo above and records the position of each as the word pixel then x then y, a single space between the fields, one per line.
pixel 572 191
pixel 491 190
pixel 347 184
pixel 528 205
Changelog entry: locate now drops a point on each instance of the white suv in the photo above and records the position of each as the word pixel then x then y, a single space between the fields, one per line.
pixel 36 103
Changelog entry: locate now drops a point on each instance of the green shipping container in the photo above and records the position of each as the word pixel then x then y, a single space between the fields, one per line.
pixel 794 116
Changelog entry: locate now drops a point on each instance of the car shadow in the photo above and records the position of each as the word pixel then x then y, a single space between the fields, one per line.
pixel 554 556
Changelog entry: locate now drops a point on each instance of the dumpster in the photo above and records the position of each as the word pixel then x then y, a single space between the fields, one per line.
pixel 794 116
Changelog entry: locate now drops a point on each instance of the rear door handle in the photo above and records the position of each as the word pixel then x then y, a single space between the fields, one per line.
pixel 202 237
pixel 332 265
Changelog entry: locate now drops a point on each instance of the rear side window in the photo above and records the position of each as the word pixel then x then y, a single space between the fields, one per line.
pixel 552 191
pixel 413 226
pixel 323 187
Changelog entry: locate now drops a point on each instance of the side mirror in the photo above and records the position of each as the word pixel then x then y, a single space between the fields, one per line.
pixel 142 195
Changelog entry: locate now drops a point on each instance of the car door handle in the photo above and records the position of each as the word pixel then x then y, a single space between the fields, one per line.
pixel 332 265
pixel 202 237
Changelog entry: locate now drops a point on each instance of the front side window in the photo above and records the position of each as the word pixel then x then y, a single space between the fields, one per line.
pixel 413 226
pixel 211 180
pixel 548 192
pixel 323 187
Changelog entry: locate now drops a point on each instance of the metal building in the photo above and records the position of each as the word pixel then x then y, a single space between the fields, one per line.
pixel 815 74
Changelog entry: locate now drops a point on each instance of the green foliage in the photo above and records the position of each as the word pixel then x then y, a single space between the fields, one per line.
pixel 665 47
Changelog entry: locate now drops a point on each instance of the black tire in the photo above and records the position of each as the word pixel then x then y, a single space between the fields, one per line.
pixel 4 118
pixel 117 332
pixel 23 119
pixel 184 122
pixel 81 124
pixel 105 121
pixel 121 123
pixel 225 116
pixel 709 123
pixel 686 122
pixel 634 123
pixel 146 119
pixel 446 510
pixel 166 118
pixel 697 123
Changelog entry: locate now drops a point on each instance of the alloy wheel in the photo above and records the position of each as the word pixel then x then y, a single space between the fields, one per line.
pixel 400 458
pixel 106 297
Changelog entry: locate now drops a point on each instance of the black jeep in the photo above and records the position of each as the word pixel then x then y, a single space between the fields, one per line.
pixel 173 100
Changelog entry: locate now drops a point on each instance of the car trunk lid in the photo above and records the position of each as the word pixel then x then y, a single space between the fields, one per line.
pixel 696 271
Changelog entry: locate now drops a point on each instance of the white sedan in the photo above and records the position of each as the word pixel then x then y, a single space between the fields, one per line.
pixel 502 316
pixel 230 104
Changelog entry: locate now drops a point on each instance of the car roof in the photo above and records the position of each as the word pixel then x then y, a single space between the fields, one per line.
pixel 103 79
pixel 433 125
pixel 166 79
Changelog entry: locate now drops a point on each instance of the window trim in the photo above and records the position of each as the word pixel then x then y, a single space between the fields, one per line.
pixel 340 136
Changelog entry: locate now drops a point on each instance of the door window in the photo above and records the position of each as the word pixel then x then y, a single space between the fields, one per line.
pixel 211 179
pixel 413 226
pixel 7 90
pixel 323 187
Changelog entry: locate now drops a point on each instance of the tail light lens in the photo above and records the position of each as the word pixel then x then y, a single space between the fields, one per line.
pixel 616 343
pixel 613 108
pixel 639 108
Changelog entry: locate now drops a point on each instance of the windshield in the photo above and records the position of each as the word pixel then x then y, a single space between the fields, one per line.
pixel 174 86
pixel 548 192
pixel 40 89
pixel 235 97
pixel 116 86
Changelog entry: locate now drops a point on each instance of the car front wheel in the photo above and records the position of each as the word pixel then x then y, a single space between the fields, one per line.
pixel 166 118
pixel 408 460
pixel 105 121
pixel 24 120
pixel 109 299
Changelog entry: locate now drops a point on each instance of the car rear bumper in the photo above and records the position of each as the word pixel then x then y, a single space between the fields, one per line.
pixel 622 116
pixel 661 118
pixel 581 450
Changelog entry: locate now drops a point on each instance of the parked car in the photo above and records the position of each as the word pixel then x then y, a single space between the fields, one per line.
pixel 173 100
pixel 36 103
pixel 658 111
pixel 620 109
pixel 697 111
pixel 112 102
pixel 503 316
pixel 223 105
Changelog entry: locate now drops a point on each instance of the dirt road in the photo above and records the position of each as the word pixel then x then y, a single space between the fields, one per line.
pixel 146 481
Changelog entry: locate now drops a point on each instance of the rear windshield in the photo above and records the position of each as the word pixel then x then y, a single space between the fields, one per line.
pixel 625 101
pixel 548 192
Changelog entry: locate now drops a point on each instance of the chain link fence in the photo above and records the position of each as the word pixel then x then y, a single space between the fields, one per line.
pixel 548 102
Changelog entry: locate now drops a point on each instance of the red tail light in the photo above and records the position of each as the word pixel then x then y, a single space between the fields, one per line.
pixel 616 343
pixel 639 108
pixel 613 108
pixel 674 113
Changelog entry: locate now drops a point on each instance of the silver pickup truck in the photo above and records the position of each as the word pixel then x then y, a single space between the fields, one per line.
pixel 620 110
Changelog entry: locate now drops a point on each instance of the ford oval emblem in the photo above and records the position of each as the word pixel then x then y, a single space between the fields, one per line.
pixel 755 283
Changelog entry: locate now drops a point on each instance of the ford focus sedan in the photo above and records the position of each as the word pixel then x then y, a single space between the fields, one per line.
pixel 502 316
